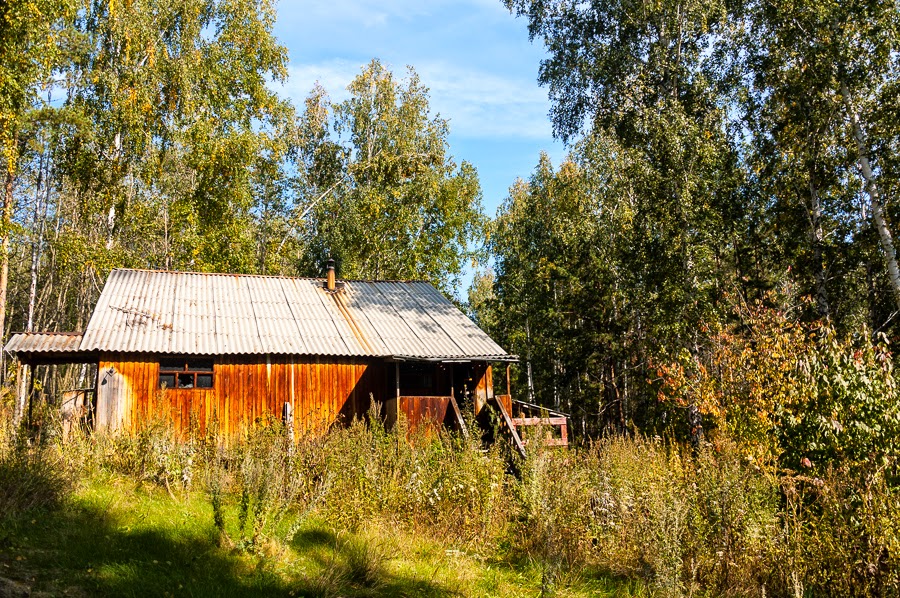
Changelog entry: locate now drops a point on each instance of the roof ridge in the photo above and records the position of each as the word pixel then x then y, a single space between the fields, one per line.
pixel 48 332
pixel 245 275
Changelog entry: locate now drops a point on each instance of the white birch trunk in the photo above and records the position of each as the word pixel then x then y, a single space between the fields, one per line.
pixel 884 233
pixel 5 225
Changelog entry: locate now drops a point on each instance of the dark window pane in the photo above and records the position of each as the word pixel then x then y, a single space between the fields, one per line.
pixel 185 381
pixel 171 365
pixel 204 365
pixel 417 378
pixel 167 380
pixel 204 381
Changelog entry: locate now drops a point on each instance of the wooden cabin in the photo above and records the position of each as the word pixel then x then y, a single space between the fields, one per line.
pixel 230 350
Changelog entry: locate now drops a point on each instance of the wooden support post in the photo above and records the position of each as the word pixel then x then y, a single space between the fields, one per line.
pixel 22 375
pixel 459 418
pixel 392 403
pixel 508 385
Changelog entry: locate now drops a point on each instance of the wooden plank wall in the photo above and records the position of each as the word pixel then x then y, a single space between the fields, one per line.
pixel 124 388
pixel 424 411
pixel 320 390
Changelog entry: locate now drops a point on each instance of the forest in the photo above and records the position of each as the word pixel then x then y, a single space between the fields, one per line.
pixel 708 283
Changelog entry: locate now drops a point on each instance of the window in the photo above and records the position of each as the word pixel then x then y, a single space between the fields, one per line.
pixel 185 373
pixel 417 378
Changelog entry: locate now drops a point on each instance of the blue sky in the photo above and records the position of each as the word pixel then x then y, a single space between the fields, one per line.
pixel 473 55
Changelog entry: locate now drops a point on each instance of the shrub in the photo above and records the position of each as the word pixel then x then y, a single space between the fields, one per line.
pixel 679 521
pixel 793 394
pixel 428 479
pixel 554 499
pixel 710 520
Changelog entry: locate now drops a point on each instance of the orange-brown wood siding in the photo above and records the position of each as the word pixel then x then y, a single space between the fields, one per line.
pixel 321 391
pixel 424 411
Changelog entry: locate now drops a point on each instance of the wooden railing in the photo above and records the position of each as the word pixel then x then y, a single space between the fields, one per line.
pixel 508 425
pixel 554 425
pixel 550 423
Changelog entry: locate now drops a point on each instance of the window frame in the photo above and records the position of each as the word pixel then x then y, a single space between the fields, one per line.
pixel 179 368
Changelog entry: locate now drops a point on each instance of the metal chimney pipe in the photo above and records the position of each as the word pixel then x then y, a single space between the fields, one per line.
pixel 330 283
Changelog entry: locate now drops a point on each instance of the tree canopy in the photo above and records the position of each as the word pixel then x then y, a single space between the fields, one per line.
pixel 148 135
pixel 389 201
pixel 722 154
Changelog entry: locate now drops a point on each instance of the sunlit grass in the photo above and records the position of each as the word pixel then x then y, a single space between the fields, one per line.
pixel 119 538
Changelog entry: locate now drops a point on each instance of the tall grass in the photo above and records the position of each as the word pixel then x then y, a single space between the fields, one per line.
pixel 677 521
pixel 33 476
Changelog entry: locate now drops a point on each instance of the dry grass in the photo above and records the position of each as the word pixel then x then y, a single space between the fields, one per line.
pixel 366 512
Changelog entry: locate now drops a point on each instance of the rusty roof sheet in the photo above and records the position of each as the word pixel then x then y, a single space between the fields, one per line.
pixel 44 342
pixel 221 314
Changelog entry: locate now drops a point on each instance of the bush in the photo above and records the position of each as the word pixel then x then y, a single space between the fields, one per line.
pixel 793 395
pixel 428 479
pixel 841 535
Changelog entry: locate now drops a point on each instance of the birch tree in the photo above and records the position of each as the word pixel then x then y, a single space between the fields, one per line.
pixel 386 199
pixel 828 73
pixel 30 51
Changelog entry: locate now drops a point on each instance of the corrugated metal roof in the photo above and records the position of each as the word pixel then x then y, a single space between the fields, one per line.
pixel 44 342
pixel 221 314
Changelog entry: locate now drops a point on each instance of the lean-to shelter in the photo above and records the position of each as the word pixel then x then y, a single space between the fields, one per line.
pixel 231 349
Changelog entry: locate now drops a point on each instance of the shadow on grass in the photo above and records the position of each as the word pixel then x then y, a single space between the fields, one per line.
pixel 354 565
pixel 82 550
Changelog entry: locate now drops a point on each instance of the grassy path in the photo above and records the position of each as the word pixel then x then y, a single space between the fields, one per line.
pixel 118 539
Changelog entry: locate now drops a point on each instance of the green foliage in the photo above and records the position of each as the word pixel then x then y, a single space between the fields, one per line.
pixel 841 535
pixel 797 394
pixel 682 524
pixel 719 147
pixel 430 480
pixel 386 199
pixel 361 511
pixel 156 142
pixel 32 44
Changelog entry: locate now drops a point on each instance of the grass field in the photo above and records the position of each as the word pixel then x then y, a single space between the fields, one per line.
pixel 114 537
pixel 362 511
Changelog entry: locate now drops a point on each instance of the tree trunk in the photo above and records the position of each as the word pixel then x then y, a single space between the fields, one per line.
pixel 22 375
pixel 884 233
pixel 4 248
pixel 528 362
pixel 818 239
pixel 37 242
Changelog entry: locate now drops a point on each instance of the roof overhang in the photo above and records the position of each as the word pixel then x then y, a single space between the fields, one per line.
pixel 457 359
pixel 49 348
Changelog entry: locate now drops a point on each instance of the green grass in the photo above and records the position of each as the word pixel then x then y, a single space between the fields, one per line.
pixel 116 538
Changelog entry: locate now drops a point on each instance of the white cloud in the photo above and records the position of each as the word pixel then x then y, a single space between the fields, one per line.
pixel 333 75
pixel 374 13
pixel 478 104
pixel 482 104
